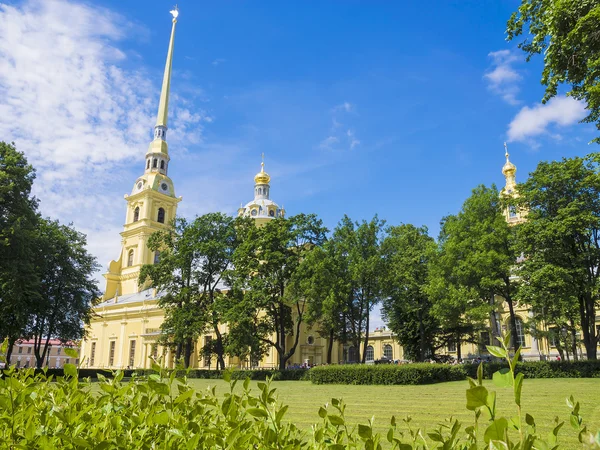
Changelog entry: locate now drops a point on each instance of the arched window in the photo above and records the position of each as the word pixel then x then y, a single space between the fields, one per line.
pixel 162 165
pixel 154 163
pixel 148 164
pixel 388 352
pixel 136 214
pixel 161 215
pixel 130 258
pixel 520 337
pixel 370 356
pixel 156 257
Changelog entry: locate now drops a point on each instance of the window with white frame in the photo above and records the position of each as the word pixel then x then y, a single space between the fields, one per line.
pixel 370 354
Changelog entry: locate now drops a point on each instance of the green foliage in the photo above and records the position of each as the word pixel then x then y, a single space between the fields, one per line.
pixel 46 285
pixel 475 264
pixel 67 290
pixel 423 373
pixel 161 410
pixel 566 33
pixel 560 241
pixel 19 282
pixel 408 251
pixel 266 264
pixel 542 369
pixel 194 260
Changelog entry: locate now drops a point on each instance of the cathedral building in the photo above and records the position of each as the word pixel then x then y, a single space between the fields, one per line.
pixel 126 325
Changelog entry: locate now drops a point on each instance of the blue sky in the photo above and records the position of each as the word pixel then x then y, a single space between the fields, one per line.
pixel 361 108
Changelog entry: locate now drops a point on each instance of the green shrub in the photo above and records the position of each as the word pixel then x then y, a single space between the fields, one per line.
pixel 161 410
pixel 386 374
pixel 258 374
pixel 542 369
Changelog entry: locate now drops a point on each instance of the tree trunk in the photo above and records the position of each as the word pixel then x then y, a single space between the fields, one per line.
pixel 587 311
pixel 513 323
pixel 330 346
pixel 189 346
pixel 9 349
pixel 574 341
pixel 219 348
pixel 366 344
pixel 458 349
pixel 421 339
pixel 178 352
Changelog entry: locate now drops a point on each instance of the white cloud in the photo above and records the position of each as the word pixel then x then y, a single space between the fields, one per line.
pixel 218 61
pixel 328 142
pixel 352 139
pixel 530 122
pixel 82 119
pixel 502 77
pixel 336 132
pixel 346 107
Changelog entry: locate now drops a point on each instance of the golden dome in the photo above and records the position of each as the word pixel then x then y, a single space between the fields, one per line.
pixel 262 177
pixel 508 168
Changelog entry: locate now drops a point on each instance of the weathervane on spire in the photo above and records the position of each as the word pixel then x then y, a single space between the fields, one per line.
pixel 174 12
pixel 506 151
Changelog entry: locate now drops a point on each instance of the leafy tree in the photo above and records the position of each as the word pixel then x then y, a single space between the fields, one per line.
pixel 480 245
pixel 320 281
pixel 457 301
pixel 357 269
pixel 566 33
pixel 19 283
pixel 66 291
pixel 561 241
pixel 265 263
pixel 194 258
pixel 406 309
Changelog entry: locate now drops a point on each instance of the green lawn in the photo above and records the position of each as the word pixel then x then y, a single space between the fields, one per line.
pixel 427 405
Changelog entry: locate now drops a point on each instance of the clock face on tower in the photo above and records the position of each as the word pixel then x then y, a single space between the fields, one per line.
pixel 164 187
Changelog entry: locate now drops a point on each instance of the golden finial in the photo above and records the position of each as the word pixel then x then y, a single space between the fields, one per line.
pixel 262 177
pixel 509 168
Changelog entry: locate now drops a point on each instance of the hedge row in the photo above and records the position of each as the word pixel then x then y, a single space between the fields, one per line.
pixel 386 374
pixel 258 374
pixel 542 369
pixel 82 373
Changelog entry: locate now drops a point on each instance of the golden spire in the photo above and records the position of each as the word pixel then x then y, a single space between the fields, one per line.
pixel 509 171
pixel 163 106
pixel 262 177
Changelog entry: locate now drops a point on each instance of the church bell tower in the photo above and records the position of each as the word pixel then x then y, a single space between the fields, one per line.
pixel 152 203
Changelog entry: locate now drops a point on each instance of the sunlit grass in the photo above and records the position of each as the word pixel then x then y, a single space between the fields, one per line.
pixel 430 404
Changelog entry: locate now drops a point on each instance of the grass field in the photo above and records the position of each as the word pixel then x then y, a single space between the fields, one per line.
pixel 427 405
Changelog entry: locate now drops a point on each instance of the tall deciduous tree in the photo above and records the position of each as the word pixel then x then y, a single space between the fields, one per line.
pixel 480 246
pixel 320 281
pixel 561 238
pixel 408 251
pixel 265 263
pixel 457 303
pixel 355 250
pixel 194 258
pixel 566 33
pixel 67 289
pixel 19 282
